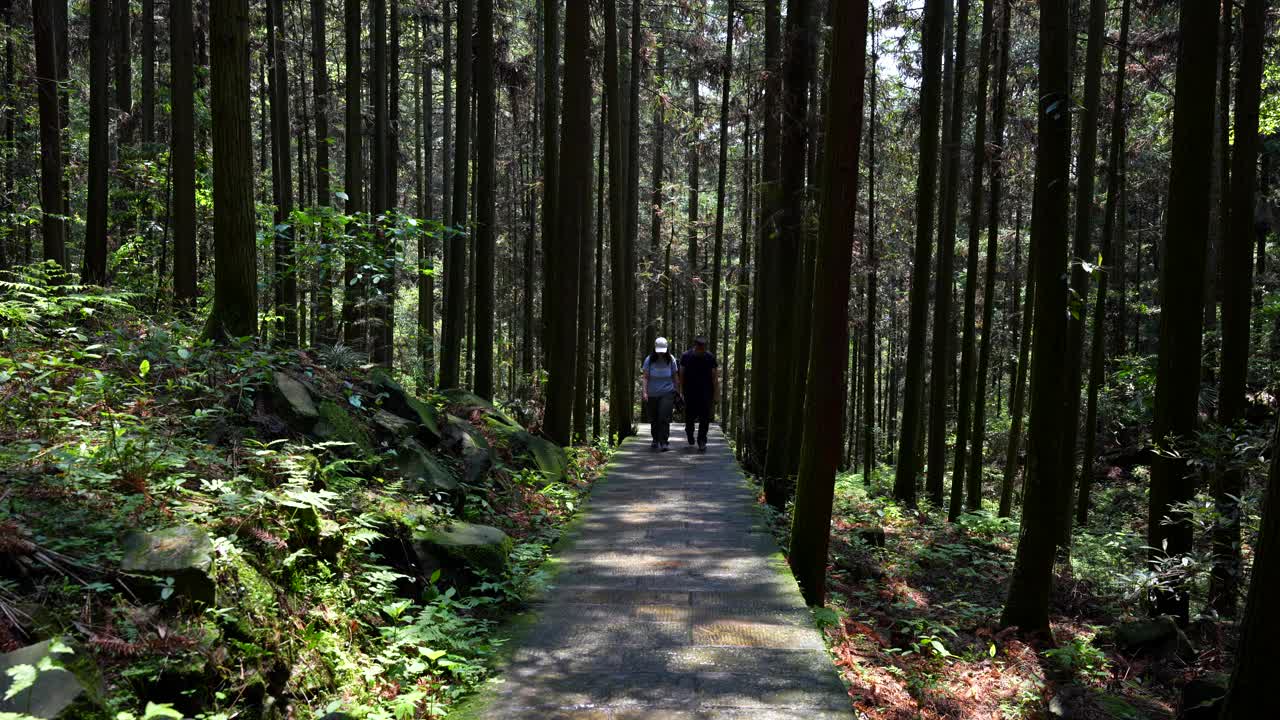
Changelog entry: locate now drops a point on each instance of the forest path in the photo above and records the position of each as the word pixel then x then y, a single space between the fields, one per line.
pixel 671 603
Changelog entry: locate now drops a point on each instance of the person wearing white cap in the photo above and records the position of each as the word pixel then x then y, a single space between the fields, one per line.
pixel 661 385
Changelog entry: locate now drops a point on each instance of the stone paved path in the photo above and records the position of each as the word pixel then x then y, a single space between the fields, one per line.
pixel 671 603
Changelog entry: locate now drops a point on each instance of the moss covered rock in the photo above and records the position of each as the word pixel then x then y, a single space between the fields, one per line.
pixel 465 403
pixel 461 438
pixel 67 690
pixel 183 553
pixel 400 402
pixel 459 545
pixel 423 473
pixel 338 424
pixel 543 454
pixel 294 400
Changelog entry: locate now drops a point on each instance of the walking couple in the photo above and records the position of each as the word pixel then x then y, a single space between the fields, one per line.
pixel 693 379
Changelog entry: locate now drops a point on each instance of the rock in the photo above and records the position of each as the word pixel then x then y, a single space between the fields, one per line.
pixel 1158 636
pixel 462 544
pixel 296 397
pixel 477 457
pixel 398 401
pixel 545 455
pixel 251 595
pixel 57 693
pixel 873 537
pixel 393 424
pixel 338 424
pixel 424 474
pixel 184 553
pixel 1202 698
pixel 1066 702
pixel 469 403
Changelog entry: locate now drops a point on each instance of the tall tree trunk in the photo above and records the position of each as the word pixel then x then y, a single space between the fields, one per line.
pixel 235 299
pixel 1086 163
pixel 582 390
pixel 486 119
pixel 1001 62
pixel 790 251
pixel 1181 289
pixel 943 358
pixel 327 329
pixel 352 329
pixel 1253 680
pixel 550 163
pixel 52 204
pixel 285 281
pixel 626 418
pixel 122 63
pixel 968 349
pixel 1115 163
pixel 183 152
pixel 1224 581
pixel 148 70
pixel 1031 584
pixel 95 236
pixel 738 409
pixel 722 177
pixel 873 281
pixel 621 383
pixel 769 294
pixel 908 465
pixel 380 192
pixel 693 274
pixel 655 218
pixel 820 456
pixel 572 227
pixel 455 300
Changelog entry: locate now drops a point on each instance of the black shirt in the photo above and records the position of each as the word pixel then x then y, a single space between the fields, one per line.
pixel 697 370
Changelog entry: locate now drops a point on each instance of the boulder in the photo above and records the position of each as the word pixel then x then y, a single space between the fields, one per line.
pixel 544 454
pixel 251 595
pixel 459 545
pixel 423 473
pixel 184 553
pixel 873 537
pixel 477 457
pixel 393 424
pixel 338 424
pixel 295 398
pixel 468 403
pixel 1202 698
pixel 1158 636
pixel 58 691
pixel 399 402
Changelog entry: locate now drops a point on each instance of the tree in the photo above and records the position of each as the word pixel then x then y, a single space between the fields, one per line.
pixel 1027 606
pixel 352 330
pixel 1115 179
pixel 1181 289
pixel 286 278
pixel 122 63
pixel 1229 482
pixel 973 486
pixel 572 227
pixel 52 202
pixel 95 235
pixel 183 151
pixel 320 89
pixel 721 179
pixel 486 109
pixel 550 61
pixel 820 455
pixel 455 299
pixel 1252 681
pixel 148 70
pixel 622 382
pixel 235 302
pixel 908 466
pixel 873 282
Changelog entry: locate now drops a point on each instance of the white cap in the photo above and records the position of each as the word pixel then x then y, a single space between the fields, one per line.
pixel 660 345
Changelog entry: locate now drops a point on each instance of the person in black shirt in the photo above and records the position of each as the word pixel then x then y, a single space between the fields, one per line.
pixel 700 382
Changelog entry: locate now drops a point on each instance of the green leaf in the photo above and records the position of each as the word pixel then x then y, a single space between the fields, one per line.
pixel 24 676
pixel 144 368
pixel 160 711
pixel 434 655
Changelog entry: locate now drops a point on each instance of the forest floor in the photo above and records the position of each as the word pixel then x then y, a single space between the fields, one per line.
pixel 913 616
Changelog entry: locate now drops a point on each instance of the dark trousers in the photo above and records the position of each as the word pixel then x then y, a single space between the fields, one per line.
pixel 659 409
pixel 697 411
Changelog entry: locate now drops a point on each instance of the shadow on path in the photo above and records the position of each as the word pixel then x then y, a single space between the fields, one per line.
pixel 672 603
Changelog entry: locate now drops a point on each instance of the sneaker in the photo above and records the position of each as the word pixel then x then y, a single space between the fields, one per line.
pixel 702 447
pixel 665 447
pixel 691 440
pixel 653 445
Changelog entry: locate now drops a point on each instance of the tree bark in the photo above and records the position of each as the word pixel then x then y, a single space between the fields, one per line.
pixel 621 384
pixel 721 178
pixel 455 302
pixel 820 456
pixel 95 236
pixel 285 281
pixel 1224 580
pixel 235 300
pixel 352 329
pixel 486 168
pixel 148 70
pixel 52 203
pixel 908 466
pixel 1181 289
pixel 550 161
pixel 1027 606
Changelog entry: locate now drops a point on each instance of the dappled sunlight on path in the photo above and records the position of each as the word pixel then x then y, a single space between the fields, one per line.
pixel 671 602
